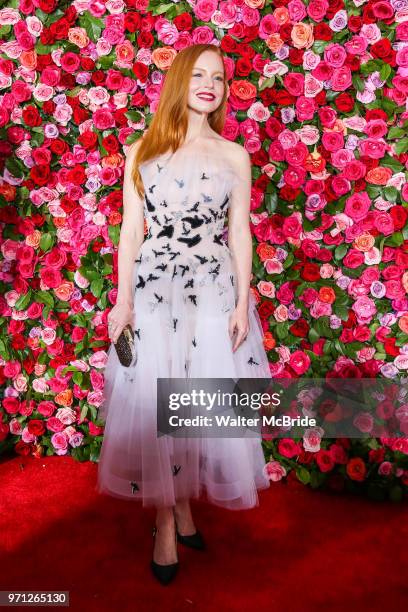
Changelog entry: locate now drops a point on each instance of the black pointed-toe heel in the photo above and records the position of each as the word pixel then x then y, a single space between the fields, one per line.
pixel 164 573
pixel 195 540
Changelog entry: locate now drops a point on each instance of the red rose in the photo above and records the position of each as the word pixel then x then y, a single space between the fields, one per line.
pixel 390 348
pixel 310 272
pixel 399 216
pixel 31 116
pixel 266 309
pixel 300 328
pixel 356 469
pixel 36 427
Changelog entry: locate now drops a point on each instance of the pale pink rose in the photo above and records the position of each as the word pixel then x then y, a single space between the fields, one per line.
pixel 364 422
pixel 274 471
pixel 9 16
pixel 63 113
pixel 312 438
pixel 365 354
pixel 310 60
pixel 370 32
pixel 66 415
pixel 283 352
pixel 312 86
pixel 98 95
pixel 308 134
pixel 95 398
pixel 281 313
pixel 401 362
pixel 266 288
pixel 372 257
pixel 48 336
pixel 326 270
pixel 258 112
pixel 288 139
pixel 98 359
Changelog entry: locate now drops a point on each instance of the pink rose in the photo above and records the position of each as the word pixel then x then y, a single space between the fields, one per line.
pixel 335 55
pixel 341 79
pixel 274 471
pixel 333 141
pixel 365 309
pixel 305 108
pixel 317 9
pixel 294 83
pixel 357 206
pixel 375 149
pixel 312 438
pixel 299 362
pixel 385 468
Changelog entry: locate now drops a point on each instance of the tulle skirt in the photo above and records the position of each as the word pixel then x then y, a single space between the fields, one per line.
pixel 181 338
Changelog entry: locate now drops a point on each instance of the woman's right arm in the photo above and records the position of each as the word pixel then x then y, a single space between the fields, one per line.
pixel 130 241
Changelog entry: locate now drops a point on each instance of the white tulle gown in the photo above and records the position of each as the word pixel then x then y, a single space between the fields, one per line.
pixel 185 289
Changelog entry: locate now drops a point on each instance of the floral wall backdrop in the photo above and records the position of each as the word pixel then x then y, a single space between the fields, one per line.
pixel 318 98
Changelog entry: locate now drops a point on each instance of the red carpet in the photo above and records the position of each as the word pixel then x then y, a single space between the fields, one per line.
pixel 299 550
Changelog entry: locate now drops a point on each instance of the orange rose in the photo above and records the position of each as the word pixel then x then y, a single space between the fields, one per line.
pixel 314 162
pixel 327 295
pixel 78 37
pixel 403 323
pixel 64 291
pixel 255 4
pixel 404 281
pixel 28 59
pixel 378 176
pixel 356 469
pixel 244 90
pixel 8 192
pixel 302 35
pixel 269 341
pixel 365 242
pixel 265 251
pixel 33 239
pixel 60 221
pixel 64 398
pixel 281 15
pixel 274 42
pixel 163 57
pixel 114 160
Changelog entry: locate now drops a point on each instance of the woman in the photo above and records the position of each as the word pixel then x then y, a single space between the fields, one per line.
pixel 189 301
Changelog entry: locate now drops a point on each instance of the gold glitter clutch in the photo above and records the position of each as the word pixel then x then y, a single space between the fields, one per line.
pixel 125 347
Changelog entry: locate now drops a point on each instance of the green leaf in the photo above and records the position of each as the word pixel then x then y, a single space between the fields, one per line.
pixel 340 251
pixel 96 286
pixel 44 297
pixel 46 241
pixel 114 233
pixel 401 146
pixel 23 301
pixel 303 475
pixel 385 72
pixel 391 194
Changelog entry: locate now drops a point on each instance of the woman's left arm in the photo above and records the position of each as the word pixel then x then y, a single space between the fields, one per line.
pixel 240 243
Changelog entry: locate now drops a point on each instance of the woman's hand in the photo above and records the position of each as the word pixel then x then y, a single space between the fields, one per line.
pixel 239 325
pixel 120 315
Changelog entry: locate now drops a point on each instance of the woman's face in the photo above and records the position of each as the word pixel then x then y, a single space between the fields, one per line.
pixel 207 83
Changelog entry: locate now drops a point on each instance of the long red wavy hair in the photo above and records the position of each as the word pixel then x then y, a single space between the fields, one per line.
pixel 168 127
